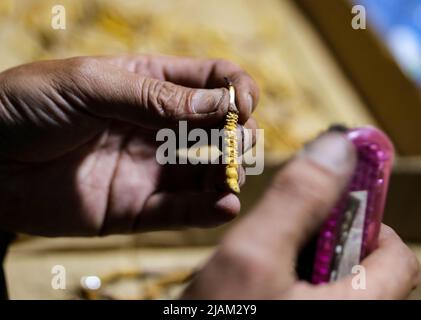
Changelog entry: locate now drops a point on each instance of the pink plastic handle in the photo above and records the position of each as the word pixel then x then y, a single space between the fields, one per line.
pixel 375 158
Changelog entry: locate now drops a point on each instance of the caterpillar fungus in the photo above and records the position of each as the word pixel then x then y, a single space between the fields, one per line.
pixel 230 136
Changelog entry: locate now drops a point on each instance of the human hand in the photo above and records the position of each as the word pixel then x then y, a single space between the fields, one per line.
pixel 256 259
pixel 77 144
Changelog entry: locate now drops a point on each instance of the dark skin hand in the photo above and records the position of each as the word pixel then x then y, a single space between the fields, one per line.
pixel 77 157
pixel 77 144
pixel 256 259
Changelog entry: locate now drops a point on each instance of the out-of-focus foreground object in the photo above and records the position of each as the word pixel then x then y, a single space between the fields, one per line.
pixel 351 231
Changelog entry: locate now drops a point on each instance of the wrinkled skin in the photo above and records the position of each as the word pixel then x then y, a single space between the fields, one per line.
pixel 77 157
pixel 77 146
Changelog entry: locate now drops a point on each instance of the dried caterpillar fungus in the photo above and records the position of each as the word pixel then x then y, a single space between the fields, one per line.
pixel 231 154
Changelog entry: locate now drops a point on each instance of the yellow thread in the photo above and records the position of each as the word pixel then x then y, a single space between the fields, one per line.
pixel 231 153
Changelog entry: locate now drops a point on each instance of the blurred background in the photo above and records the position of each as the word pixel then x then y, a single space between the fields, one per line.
pixel 398 23
pixel 313 68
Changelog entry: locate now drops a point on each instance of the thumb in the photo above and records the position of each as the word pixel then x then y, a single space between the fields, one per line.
pixel 109 91
pixel 300 197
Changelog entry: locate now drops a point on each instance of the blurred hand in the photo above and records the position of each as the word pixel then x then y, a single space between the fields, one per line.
pixel 77 144
pixel 256 259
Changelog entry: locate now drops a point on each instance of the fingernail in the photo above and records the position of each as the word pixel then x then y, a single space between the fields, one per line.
pixel 333 151
pixel 207 101
pixel 250 103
